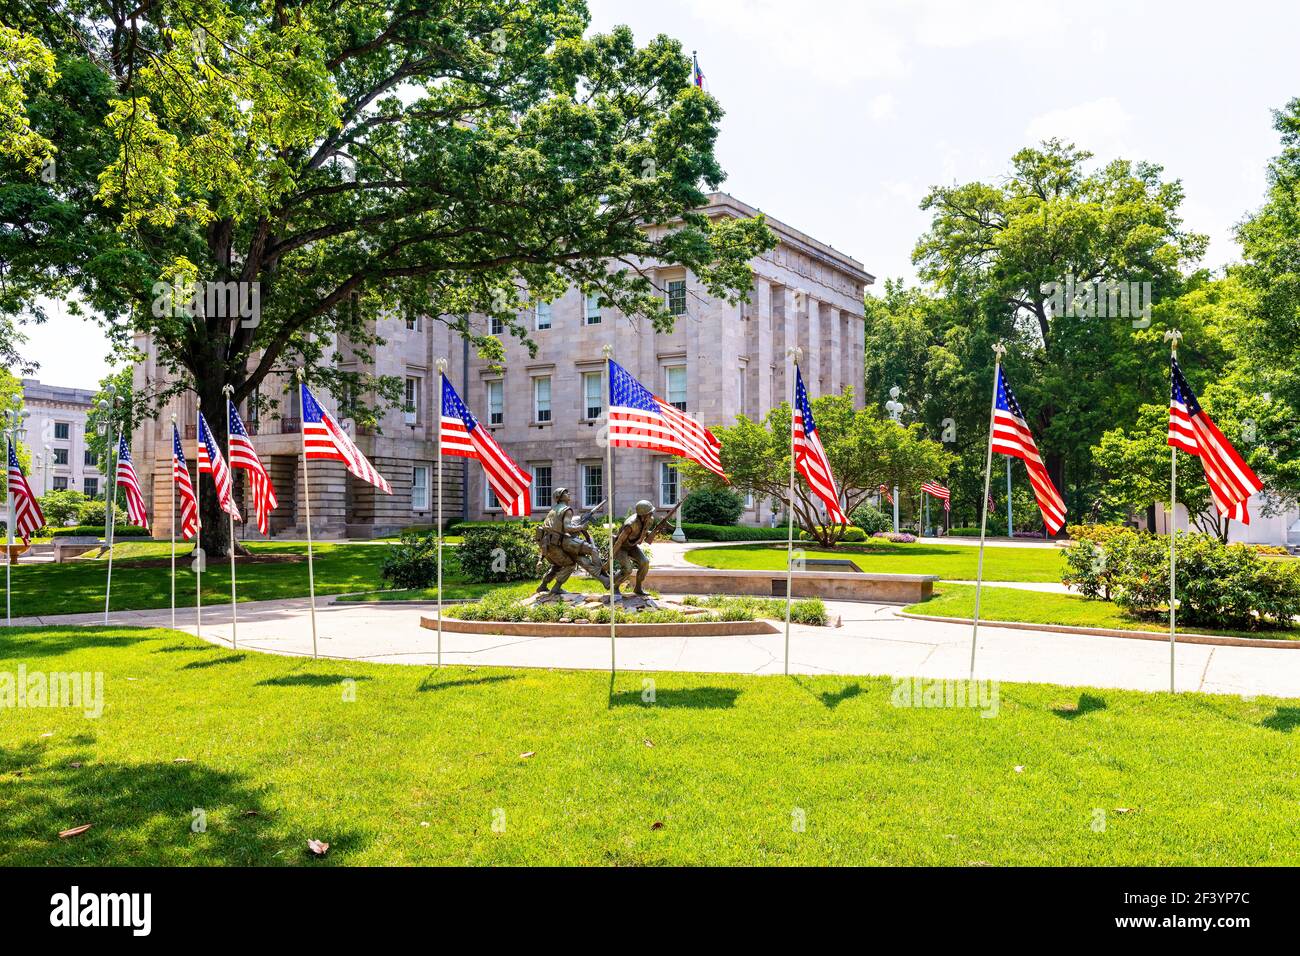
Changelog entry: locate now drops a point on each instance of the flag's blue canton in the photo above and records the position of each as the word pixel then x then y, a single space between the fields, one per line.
pixel 1006 399
pixel 205 436
pixel 453 407
pixel 177 450
pixel 236 425
pixel 627 392
pixel 13 458
pixel 123 455
pixel 801 399
pixel 311 411
pixel 1181 391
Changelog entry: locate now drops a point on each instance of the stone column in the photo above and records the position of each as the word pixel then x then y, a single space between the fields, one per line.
pixel 834 351
pixel 813 349
pixel 760 376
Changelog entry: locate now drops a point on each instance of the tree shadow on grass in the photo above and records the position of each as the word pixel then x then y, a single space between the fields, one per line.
pixel 214 661
pixel 308 680
pixel 1086 705
pixel 140 814
pixel 426 685
pixel 831 699
pixel 1284 719
pixel 699 698
pixel 184 648
pixel 43 644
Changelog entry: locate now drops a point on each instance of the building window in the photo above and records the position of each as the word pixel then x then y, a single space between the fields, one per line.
pixel 60 456
pixel 412 323
pixel 491 501
pixel 677 297
pixel 591 309
pixel 542 399
pixel 749 499
pixel 593 395
pixel 668 485
pixel 61 431
pixel 90 487
pixel 496 402
pixel 675 379
pixel 496 326
pixel 542 487
pixel 411 403
pixel 420 488
pixel 90 459
pixel 542 316
pixel 60 483
pixel 740 388
pixel 593 485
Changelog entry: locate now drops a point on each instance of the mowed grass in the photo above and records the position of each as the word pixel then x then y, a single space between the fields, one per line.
pixel 1038 607
pixel 78 586
pixel 951 562
pixel 494 766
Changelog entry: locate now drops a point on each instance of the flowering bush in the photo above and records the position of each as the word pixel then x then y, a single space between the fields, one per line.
pixel 899 537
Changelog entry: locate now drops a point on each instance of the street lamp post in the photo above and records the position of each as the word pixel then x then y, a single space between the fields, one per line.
pixel 13 430
pixel 895 409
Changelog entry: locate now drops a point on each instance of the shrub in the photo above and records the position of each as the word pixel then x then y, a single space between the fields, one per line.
pixel 499 551
pixel 964 531
pixel 93 512
pixel 61 507
pixel 412 562
pixel 717 506
pixel 1096 532
pixel 805 611
pixel 97 531
pixel 851 533
pixel 713 532
pixel 871 519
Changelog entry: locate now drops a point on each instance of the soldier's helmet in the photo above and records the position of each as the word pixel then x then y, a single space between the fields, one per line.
pixel 644 508
pixel 560 494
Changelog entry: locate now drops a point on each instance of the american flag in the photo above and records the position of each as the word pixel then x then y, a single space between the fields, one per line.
pixel 127 480
pixel 323 437
pixel 28 517
pixel 244 455
pixel 1230 479
pixel 212 462
pixel 939 491
pixel 809 457
pixel 883 492
pixel 639 419
pixel 699 74
pixel 1011 436
pixel 463 437
pixel 184 487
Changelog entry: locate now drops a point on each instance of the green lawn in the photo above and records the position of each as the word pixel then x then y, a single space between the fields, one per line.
pixel 78 586
pixel 952 562
pixel 1037 607
pixel 422 764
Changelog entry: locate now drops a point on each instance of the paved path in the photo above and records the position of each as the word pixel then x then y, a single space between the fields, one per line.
pixel 873 640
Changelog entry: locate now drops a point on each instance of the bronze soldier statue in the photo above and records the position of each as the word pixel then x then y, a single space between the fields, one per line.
pixel 640 527
pixel 566 544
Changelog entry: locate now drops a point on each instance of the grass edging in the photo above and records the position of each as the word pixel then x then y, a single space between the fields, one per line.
pixel 548 629
pixel 1221 641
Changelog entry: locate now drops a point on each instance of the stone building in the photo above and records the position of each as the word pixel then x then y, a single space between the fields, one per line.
pixel 547 410
pixel 56 435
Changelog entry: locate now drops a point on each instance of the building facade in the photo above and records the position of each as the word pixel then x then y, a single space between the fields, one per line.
pixel 547 410
pixel 56 435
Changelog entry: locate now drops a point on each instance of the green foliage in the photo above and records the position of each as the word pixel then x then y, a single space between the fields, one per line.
pixel 505 606
pixel 713 532
pixel 871 519
pixel 717 506
pixel 810 611
pixel 97 531
pixel 60 507
pixel 1098 533
pixel 504 551
pixel 412 562
pixel 850 534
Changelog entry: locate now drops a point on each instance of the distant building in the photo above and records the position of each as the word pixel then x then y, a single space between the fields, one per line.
pixel 547 410
pixel 56 436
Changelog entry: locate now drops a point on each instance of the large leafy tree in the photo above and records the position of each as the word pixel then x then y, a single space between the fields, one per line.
pixel 994 247
pixel 865 450
pixel 429 157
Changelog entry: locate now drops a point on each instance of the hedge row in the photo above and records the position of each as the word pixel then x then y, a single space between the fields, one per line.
pixel 97 531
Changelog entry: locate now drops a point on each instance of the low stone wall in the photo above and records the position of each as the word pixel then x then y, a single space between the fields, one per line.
pixel 533 629
pixel 829 585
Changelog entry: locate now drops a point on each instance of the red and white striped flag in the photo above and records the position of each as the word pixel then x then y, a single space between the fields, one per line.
pixel 883 492
pixel 1011 436
pixel 28 517
pixel 212 462
pixel 184 487
pixel 640 419
pixel 1231 480
pixel 323 437
pixel 939 491
pixel 463 437
pixel 127 481
pixel 810 457
pixel 244 455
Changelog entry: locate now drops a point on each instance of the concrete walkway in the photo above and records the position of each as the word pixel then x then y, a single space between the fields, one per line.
pixel 872 641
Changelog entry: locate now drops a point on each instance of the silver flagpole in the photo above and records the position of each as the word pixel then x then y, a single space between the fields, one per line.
pixel 111 495
pixel 199 557
pixel 11 427
pixel 306 502
pixel 998 351
pixel 608 350
pixel 173 528
pixel 228 390
pixel 1172 336
pixel 795 354
pixel 437 450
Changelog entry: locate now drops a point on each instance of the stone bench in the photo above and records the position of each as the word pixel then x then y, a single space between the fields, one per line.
pixel 829 585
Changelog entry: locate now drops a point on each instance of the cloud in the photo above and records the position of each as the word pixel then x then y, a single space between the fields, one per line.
pixel 957 24
pixel 1101 126
pixel 882 106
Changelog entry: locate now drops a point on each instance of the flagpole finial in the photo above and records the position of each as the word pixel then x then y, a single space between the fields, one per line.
pixel 442 366
pixel 607 350
pixel 795 353
pixel 173 418
pixel 227 390
pixel 1172 336
pixel 999 350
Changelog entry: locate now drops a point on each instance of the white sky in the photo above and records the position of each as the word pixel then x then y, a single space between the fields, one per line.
pixel 842 113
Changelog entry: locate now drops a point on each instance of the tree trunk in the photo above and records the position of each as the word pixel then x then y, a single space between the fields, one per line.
pixel 216 523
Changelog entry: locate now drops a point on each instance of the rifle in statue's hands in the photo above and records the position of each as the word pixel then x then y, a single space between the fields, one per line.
pixel 585 520
pixel 662 523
